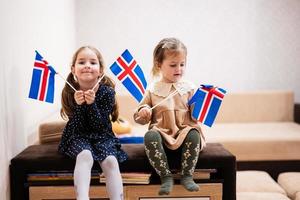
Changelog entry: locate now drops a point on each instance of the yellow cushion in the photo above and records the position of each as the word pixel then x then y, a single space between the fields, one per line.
pixel 121 126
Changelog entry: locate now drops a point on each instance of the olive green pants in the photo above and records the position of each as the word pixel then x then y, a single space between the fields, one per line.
pixel 155 151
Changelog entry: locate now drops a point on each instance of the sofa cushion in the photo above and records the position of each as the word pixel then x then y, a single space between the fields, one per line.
pixel 256 181
pixel 290 182
pixel 260 196
pixel 257 106
pixel 50 132
pixel 272 140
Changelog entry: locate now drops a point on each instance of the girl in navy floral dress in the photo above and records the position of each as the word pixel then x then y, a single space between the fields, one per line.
pixel 88 135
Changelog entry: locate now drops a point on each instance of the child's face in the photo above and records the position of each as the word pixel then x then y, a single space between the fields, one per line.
pixel 173 66
pixel 86 67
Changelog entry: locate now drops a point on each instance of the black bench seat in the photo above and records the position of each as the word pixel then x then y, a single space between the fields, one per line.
pixel 45 157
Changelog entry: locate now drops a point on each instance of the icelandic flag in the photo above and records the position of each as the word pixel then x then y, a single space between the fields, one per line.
pixel 130 74
pixel 207 101
pixel 42 82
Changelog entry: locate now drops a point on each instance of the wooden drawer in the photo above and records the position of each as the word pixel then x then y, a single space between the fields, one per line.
pixel 64 193
pixel 208 191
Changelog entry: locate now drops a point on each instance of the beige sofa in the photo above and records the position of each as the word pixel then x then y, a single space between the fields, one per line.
pixel 254 126
pixel 258 126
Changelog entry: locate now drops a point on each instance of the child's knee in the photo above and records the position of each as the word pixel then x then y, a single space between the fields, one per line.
pixel 110 162
pixel 85 156
pixel 152 136
pixel 85 153
pixel 193 136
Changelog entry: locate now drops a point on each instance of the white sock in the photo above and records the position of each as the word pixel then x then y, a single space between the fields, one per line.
pixel 82 174
pixel 114 185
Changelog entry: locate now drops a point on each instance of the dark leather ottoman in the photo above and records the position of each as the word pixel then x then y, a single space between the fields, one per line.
pixel 46 158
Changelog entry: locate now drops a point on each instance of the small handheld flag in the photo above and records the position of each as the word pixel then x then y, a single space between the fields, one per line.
pixel 207 101
pixel 130 74
pixel 42 82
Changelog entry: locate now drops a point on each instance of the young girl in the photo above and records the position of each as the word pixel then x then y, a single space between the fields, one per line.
pixel 171 128
pixel 88 134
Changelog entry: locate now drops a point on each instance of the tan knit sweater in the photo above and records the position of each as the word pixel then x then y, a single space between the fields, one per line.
pixel 172 118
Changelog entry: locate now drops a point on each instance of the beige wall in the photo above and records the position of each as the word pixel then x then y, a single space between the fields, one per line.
pixel 26 26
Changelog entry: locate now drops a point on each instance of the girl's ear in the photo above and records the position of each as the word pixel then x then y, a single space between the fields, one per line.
pixel 101 71
pixel 157 64
pixel 73 73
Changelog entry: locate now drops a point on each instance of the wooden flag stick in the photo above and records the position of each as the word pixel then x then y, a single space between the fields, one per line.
pixel 98 82
pixel 67 82
pixel 168 97
pixel 74 88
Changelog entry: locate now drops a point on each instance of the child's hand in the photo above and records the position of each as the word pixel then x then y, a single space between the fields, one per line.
pixel 89 96
pixel 79 97
pixel 145 113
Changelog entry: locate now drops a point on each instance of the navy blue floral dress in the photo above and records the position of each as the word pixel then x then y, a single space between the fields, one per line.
pixel 90 128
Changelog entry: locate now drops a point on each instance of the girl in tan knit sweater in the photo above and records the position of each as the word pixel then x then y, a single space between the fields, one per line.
pixel 171 127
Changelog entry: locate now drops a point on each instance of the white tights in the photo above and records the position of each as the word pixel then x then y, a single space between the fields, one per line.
pixel 82 176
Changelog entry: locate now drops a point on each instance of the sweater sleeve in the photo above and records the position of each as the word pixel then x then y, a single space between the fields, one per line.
pixel 146 102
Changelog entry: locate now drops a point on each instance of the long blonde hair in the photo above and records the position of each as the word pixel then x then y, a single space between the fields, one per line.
pixel 170 46
pixel 67 97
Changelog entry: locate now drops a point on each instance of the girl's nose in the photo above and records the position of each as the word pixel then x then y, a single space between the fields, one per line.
pixel 87 65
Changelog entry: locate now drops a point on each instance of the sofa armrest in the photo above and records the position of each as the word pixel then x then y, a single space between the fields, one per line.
pixel 297 113
pixel 50 132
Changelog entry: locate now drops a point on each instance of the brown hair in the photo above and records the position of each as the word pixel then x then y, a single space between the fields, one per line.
pixel 170 46
pixel 67 97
